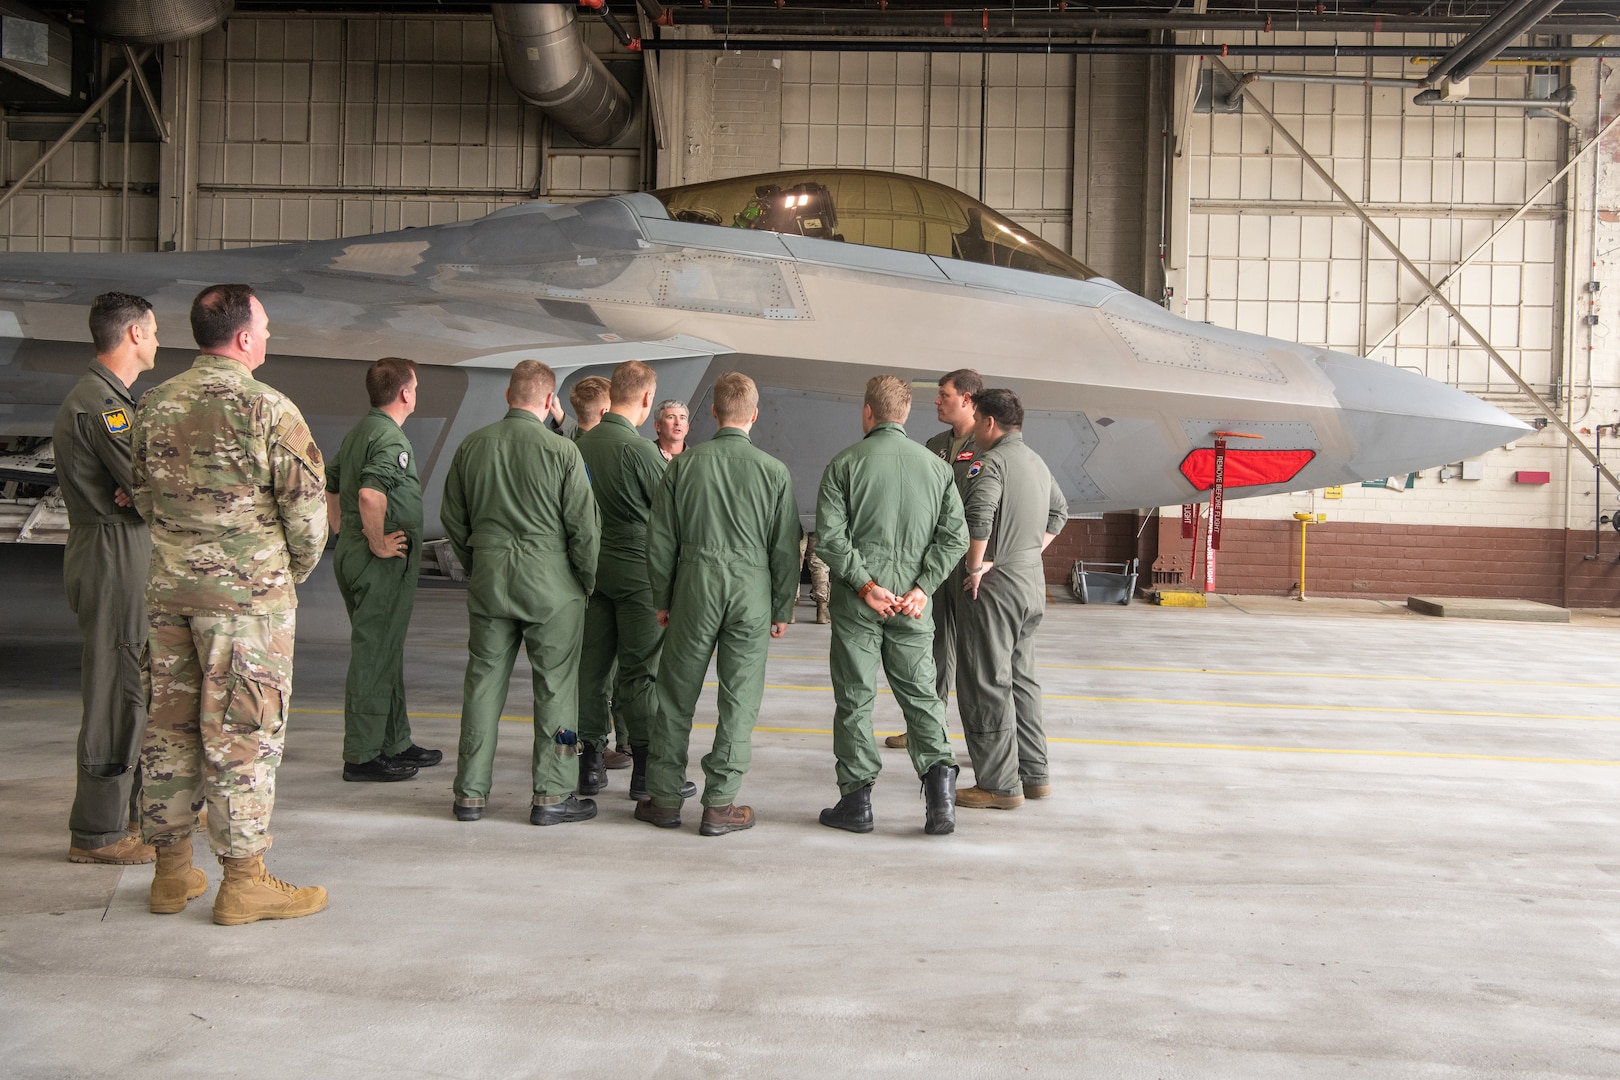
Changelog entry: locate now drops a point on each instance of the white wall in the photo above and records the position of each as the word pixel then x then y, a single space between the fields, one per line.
pixel 1270 250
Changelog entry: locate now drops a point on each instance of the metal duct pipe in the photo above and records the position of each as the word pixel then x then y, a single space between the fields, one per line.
pixel 975 21
pixel 1336 80
pixel 154 22
pixel 549 66
pixel 1103 48
pixel 1509 17
pixel 1495 43
pixel 1564 95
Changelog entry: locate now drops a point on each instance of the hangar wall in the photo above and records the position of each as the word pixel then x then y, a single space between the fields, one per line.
pixel 1269 249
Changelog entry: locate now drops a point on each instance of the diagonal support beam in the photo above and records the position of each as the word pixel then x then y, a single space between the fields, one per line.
pixel 1315 166
pixel 67 136
pixel 1580 155
pixel 146 92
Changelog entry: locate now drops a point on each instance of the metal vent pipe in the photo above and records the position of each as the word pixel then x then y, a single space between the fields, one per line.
pixel 154 22
pixel 550 67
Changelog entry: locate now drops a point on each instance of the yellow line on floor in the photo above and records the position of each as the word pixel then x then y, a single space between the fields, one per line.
pixel 1330 675
pixel 1147 744
pixel 1293 674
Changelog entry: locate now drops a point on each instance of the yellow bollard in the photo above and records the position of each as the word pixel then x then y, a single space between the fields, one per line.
pixel 1305 519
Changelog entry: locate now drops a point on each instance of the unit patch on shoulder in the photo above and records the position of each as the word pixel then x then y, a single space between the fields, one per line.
pixel 973 470
pixel 117 421
pixel 404 459
pixel 966 455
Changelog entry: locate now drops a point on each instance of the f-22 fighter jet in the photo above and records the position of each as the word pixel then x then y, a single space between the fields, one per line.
pixel 809 281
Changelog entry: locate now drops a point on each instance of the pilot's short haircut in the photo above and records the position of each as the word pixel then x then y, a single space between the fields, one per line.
pixel 965 380
pixel 671 403
pixel 111 316
pixel 531 382
pixel 386 378
pixel 591 392
pixel 631 379
pixel 1002 406
pixel 735 398
pixel 889 399
pixel 219 313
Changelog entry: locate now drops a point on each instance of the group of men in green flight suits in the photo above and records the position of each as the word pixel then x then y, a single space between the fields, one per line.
pixel 587 548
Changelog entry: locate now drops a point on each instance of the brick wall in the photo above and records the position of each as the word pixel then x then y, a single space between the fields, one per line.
pixel 1112 538
pixel 1392 562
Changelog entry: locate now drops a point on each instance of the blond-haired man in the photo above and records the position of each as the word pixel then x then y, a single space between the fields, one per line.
pixel 518 512
pixel 891 527
pixel 723 559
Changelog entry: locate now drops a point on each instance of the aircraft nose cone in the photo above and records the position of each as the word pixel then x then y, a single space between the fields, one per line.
pixel 1402 421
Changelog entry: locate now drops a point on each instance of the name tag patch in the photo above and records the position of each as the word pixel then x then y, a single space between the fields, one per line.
pixel 966 455
pixel 117 421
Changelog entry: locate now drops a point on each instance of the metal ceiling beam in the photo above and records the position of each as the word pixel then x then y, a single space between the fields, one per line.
pixel 1548 53
pixel 146 93
pixel 73 129
pixel 1541 403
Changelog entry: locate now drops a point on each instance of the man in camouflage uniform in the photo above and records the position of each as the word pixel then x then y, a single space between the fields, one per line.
pixel 104 568
pixel 230 481
pixel 954 446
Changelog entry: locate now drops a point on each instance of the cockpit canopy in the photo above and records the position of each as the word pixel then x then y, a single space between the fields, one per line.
pixel 879 209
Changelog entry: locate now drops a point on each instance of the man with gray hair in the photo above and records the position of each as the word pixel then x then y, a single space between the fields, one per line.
pixel 671 422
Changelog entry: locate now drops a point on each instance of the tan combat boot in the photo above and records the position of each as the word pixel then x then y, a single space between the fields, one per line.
pixel 176 880
pixel 976 798
pixel 823 614
pixel 249 894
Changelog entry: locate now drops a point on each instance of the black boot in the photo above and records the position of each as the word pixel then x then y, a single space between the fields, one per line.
pixel 939 785
pixel 853 812
pixel 638 777
pixel 592 770
pixel 638 773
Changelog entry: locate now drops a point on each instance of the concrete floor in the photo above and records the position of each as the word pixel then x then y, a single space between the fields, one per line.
pixel 1329 839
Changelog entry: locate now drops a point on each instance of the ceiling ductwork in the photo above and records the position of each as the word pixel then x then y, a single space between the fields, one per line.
pixel 154 22
pixel 550 66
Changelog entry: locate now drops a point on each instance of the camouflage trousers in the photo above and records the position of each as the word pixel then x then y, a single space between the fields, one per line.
pixel 216 727
pixel 820 578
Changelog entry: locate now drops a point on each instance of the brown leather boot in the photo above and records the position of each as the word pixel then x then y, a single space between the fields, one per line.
pixel 976 798
pixel 1037 791
pixel 665 817
pixel 125 851
pixel 719 820
pixel 898 742
pixel 176 880
pixel 249 894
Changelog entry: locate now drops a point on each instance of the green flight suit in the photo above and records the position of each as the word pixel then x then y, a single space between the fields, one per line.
pixel 723 560
pixel 519 515
pixel 959 455
pixel 1012 501
pixel 104 569
pixel 378 593
pixel 621 625
pixel 887 512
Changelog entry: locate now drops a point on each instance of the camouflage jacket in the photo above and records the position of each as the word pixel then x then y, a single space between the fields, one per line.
pixel 232 484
